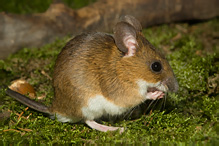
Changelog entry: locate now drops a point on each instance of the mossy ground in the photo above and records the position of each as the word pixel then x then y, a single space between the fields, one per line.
pixel 37 6
pixel 188 117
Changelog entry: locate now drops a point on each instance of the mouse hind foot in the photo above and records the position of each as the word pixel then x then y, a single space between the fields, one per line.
pixel 103 128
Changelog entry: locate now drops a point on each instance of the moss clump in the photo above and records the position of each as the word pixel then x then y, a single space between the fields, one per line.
pixel 189 117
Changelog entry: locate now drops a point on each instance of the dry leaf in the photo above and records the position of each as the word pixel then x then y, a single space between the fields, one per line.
pixel 23 87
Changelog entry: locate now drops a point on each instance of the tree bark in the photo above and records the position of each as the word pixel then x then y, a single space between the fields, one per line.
pixel 19 31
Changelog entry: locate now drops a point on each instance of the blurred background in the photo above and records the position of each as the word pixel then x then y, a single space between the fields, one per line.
pixel 37 6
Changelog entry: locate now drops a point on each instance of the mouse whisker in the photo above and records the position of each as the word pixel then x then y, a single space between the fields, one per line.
pixel 163 105
pixel 129 113
pixel 165 100
pixel 149 106
pixel 156 101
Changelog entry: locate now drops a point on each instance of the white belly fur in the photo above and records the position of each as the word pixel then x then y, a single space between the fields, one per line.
pixel 99 106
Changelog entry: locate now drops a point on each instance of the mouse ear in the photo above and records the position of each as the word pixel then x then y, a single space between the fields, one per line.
pixel 125 38
pixel 131 20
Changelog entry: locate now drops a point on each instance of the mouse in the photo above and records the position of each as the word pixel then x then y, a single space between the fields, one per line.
pixel 98 74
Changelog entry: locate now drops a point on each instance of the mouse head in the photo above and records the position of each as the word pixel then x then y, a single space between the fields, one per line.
pixel 141 61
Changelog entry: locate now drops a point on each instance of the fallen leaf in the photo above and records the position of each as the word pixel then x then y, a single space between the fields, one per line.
pixel 23 87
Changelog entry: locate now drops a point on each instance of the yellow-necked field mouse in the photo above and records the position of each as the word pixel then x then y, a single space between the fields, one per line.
pixel 99 74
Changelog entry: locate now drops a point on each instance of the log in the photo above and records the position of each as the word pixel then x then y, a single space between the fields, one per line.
pixel 35 30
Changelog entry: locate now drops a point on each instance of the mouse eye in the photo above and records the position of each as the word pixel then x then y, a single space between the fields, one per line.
pixel 156 66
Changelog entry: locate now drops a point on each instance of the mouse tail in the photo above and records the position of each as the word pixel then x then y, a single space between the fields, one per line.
pixel 27 101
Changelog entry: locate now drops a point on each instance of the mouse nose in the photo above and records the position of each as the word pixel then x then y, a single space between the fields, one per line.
pixel 172 84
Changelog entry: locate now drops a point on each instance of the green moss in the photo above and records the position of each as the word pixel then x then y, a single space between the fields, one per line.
pixel 24 6
pixel 189 117
pixel 37 6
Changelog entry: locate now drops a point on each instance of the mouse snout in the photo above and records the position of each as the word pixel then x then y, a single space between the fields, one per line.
pixel 172 84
